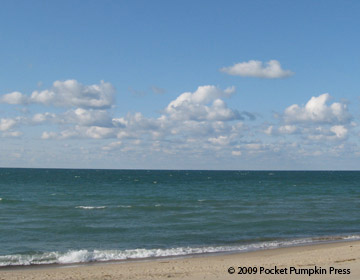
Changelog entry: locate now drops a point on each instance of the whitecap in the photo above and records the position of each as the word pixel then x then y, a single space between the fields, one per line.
pixel 91 207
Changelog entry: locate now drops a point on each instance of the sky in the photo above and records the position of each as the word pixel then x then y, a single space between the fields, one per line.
pixel 235 85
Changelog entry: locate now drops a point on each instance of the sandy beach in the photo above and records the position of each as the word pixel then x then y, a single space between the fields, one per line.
pixel 325 261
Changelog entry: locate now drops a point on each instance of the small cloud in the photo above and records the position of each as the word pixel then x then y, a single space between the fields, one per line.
pixel 41 118
pixel 221 140
pixel 339 130
pixel 112 146
pixel 48 135
pixel 254 68
pixel 269 130
pixel 287 129
pixel 158 90
pixel 12 134
pixel 6 124
pixel 236 153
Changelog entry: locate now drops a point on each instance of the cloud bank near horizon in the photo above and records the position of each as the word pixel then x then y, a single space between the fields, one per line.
pixel 194 123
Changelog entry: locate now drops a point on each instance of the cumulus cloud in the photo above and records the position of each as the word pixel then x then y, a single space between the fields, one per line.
pixel 69 93
pixel 316 110
pixel 89 117
pixel 333 133
pixel 194 106
pixel 14 98
pixel 339 130
pixel 202 116
pixel 43 117
pixel 6 124
pixel 254 68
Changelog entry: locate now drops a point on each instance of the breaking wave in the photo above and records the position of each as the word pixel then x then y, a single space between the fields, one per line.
pixel 85 256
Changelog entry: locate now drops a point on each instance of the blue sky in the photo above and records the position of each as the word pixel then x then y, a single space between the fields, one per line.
pixel 180 85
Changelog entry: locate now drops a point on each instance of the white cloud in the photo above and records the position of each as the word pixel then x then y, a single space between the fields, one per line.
pixel 98 132
pixel 287 129
pixel 236 153
pixel 317 111
pixel 43 117
pixel 6 124
pixel 193 106
pixel 14 98
pixel 269 130
pixel 220 140
pixel 48 135
pixel 13 134
pixel 255 68
pixel 112 146
pixel 69 93
pixel 89 117
pixel 339 130
pixel 196 125
pixel 203 95
pixel 94 132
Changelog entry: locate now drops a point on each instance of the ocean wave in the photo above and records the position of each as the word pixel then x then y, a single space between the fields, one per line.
pixel 91 207
pixel 85 256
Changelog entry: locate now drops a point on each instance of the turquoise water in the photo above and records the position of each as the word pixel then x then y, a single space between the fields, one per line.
pixel 69 216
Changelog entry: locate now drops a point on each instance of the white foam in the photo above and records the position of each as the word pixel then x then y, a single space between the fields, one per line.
pixel 75 257
pixel 124 206
pixel 0 198
pixel 81 256
pixel 91 207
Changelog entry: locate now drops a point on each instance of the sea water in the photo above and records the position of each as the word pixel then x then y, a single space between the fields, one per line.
pixel 71 216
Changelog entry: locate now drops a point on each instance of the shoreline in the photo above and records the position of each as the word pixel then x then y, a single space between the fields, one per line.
pixel 341 255
pixel 303 242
